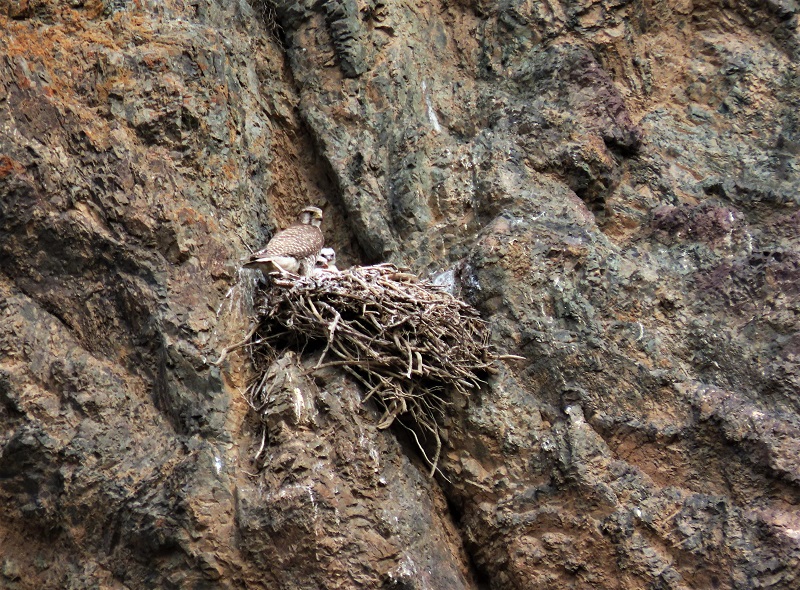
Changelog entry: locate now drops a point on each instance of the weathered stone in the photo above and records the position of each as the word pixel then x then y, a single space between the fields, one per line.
pixel 613 184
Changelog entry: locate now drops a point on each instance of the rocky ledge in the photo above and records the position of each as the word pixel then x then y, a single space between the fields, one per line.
pixel 613 185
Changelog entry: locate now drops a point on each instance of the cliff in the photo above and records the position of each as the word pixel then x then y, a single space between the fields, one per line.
pixel 614 185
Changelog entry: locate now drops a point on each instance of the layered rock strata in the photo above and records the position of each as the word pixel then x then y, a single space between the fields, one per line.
pixel 614 185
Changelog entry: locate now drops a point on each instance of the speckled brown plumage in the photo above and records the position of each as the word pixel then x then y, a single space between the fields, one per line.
pixel 294 249
pixel 297 240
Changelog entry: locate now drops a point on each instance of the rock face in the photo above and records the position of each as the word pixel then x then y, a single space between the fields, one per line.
pixel 614 185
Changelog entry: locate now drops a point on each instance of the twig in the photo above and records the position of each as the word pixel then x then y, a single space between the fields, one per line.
pixel 408 342
pixel 237 346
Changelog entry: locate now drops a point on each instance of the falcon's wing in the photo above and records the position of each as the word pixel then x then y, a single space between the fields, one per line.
pixel 297 241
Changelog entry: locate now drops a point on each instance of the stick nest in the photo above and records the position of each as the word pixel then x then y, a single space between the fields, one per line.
pixel 410 343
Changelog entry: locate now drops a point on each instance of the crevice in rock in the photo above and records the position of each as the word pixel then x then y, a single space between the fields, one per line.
pixel 317 169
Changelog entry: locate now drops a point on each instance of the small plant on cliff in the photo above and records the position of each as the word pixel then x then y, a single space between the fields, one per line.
pixel 267 10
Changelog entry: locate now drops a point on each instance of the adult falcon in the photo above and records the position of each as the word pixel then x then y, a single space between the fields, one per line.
pixel 294 249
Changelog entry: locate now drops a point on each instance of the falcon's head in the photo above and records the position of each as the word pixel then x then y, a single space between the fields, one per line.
pixel 311 216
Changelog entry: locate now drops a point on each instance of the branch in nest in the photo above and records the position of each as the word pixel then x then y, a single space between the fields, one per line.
pixel 406 340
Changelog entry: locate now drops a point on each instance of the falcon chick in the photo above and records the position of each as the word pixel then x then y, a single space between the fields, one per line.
pixel 327 259
pixel 294 249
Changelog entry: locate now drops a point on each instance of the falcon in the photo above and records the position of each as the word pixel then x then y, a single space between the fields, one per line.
pixel 294 249
pixel 327 260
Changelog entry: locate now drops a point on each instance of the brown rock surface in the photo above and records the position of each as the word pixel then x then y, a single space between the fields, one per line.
pixel 614 185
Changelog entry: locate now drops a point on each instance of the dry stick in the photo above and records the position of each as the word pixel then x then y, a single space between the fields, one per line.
pixel 258 391
pixel 435 462
pixel 355 374
pixel 435 431
pixel 237 346
pixel 335 364
pixel 332 331
pixel 371 391
pixel 395 330
pixel 263 442
pixel 401 348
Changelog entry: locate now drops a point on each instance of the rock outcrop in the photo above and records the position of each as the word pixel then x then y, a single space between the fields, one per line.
pixel 614 185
